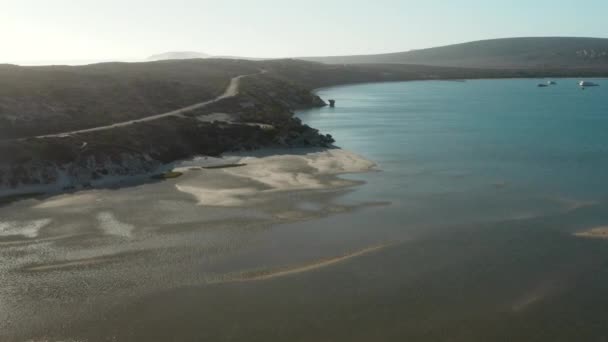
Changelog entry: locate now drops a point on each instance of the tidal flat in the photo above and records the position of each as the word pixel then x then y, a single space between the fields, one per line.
pixel 72 258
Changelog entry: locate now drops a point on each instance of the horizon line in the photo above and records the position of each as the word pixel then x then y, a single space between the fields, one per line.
pixel 91 61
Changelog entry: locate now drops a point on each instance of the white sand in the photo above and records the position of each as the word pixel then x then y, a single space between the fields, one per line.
pixel 29 229
pixel 217 197
pixel 315 170
pixel 338 161
pixel 110 225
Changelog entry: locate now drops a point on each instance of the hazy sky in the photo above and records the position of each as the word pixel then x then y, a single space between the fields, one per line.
pixel 134 29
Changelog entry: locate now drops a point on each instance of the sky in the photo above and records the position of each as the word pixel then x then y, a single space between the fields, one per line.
pixel 72 30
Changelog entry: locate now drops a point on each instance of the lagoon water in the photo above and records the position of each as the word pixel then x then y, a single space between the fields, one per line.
pixel 541 141
pixel 464 233
pixel 493 176
pixel 477 150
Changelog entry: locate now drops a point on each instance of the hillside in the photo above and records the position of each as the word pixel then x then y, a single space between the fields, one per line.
pixel 52 99
pixel 537 52
pixel 55 99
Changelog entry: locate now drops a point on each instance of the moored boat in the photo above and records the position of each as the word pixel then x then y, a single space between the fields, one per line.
pixel 588 84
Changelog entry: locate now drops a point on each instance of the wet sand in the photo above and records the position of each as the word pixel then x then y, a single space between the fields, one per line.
pixel 469 285
pixel 260 275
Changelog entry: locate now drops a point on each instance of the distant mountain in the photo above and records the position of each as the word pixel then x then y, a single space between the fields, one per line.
pixel 534 52
pixel 178 55
pixel 193 54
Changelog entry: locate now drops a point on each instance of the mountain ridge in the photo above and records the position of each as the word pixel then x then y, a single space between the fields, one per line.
pixel 519 52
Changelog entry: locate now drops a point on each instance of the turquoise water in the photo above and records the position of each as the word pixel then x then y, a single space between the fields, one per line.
pixel 487 180
pixel 496 140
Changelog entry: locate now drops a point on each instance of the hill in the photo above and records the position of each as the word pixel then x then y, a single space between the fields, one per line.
pixel 51 99
pixel 533 52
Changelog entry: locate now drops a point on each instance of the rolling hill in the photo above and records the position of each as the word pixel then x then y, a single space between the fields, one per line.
pixel 533 52
pixel 45 99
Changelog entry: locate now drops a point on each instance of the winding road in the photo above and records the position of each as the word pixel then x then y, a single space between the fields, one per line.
pixel 231 91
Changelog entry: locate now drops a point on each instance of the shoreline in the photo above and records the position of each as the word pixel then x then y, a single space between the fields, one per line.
pixel 457 79
pixel 224 164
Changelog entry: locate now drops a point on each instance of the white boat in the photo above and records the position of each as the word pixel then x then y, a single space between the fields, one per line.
pixel 551 83
pixel 588 84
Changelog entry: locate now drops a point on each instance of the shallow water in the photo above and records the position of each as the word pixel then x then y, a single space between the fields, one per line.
pixel 464 234
pixel 437 137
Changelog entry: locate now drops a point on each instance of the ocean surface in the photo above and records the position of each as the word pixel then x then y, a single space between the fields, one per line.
pixel 464 232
